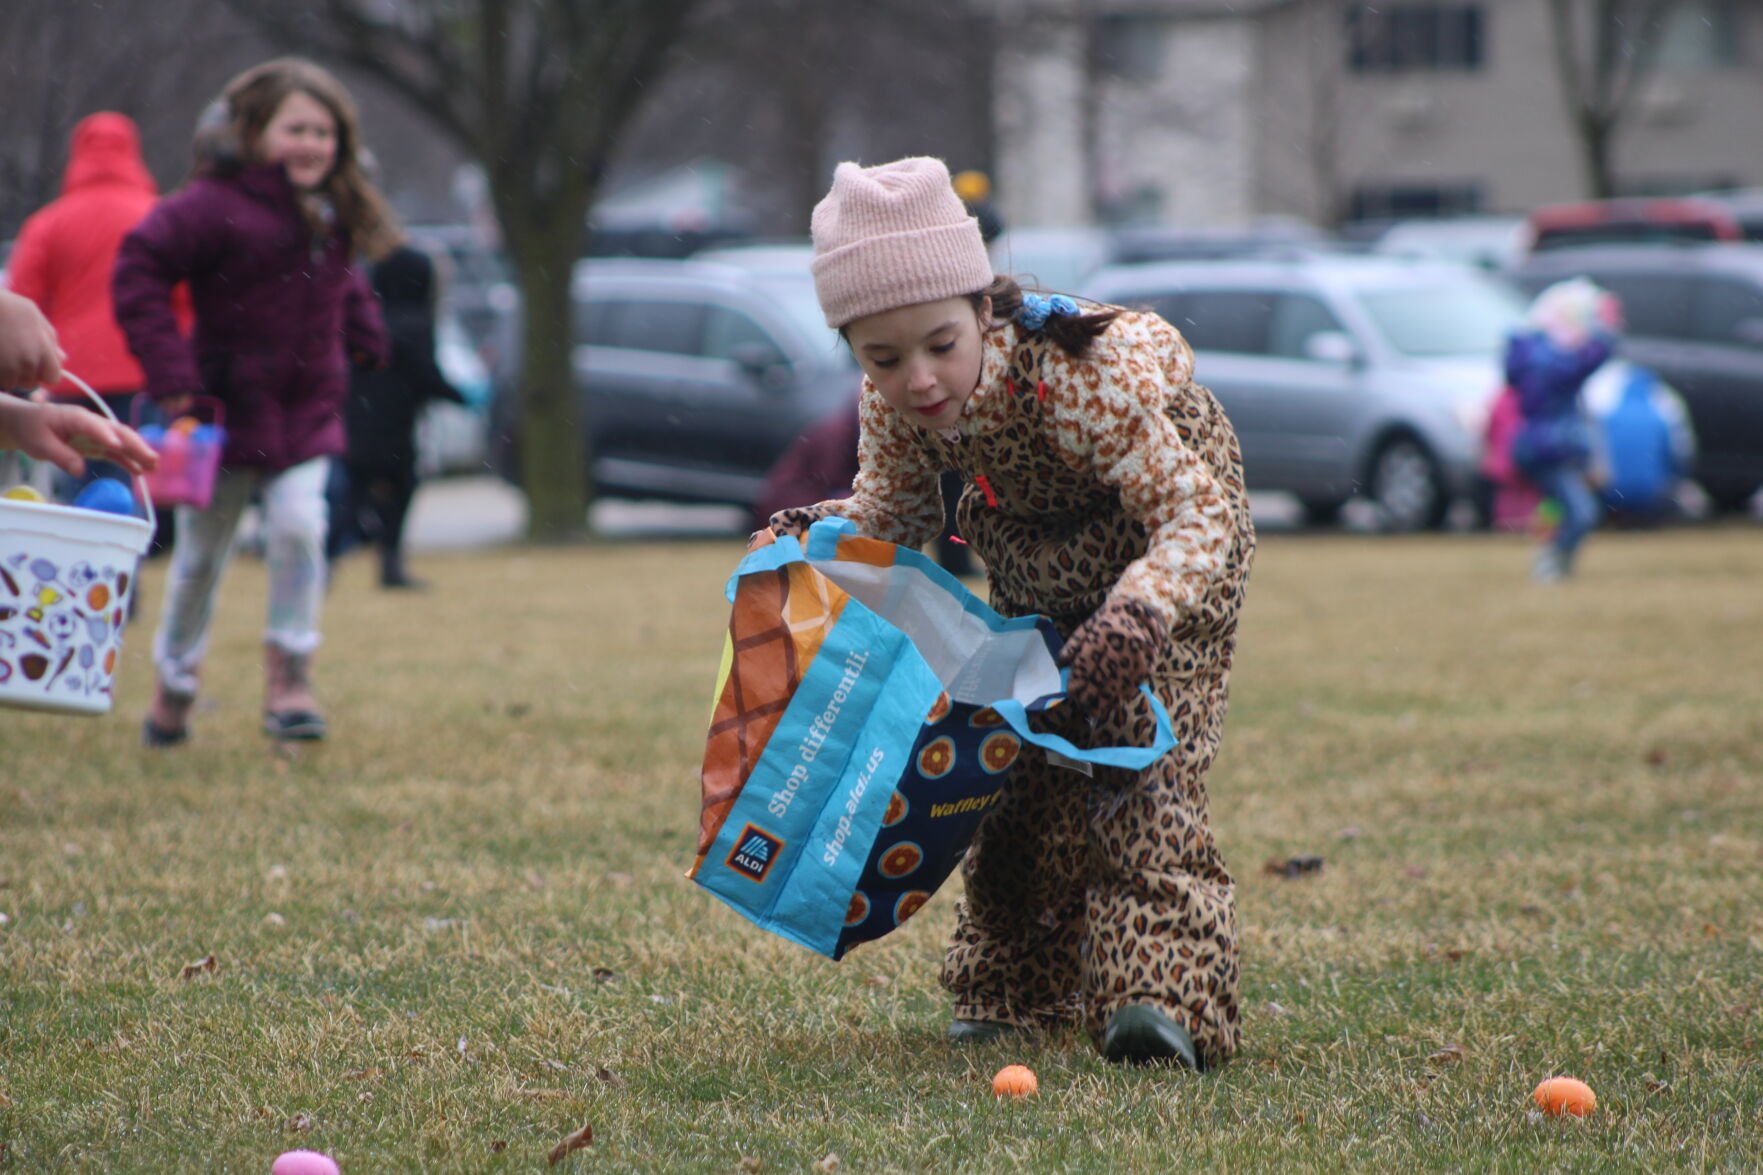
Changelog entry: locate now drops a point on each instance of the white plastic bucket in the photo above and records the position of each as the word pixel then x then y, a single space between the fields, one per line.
pixel 66 575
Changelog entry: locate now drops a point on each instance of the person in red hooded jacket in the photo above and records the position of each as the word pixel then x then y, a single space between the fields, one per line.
pixel 63 259
pixel 66 252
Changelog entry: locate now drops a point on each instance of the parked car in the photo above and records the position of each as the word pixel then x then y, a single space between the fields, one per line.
pixel 1341 375
pixel 792 255
pixel 1746 206
pixel 693 376
pixel 1603 222
pixel 1060 259
pixel 1494 243
pixel 1063 259
pixel 1272 237
pixel 1695 315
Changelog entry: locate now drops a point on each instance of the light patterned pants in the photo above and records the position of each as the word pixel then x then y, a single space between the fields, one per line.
pixel 294 523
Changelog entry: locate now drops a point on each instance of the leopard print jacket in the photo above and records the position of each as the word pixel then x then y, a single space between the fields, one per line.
pixel 1114 474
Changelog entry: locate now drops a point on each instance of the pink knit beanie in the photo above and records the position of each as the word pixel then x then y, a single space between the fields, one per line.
pixel 894 235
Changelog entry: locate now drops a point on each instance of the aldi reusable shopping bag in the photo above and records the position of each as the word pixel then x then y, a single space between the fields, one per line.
pixel 868 711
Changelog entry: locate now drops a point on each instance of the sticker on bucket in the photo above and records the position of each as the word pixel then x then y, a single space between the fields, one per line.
pixel 65 579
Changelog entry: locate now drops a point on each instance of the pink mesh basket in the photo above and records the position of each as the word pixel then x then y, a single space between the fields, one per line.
pixel 189 455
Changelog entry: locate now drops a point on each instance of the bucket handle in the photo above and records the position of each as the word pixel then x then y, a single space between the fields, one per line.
pixel 141 493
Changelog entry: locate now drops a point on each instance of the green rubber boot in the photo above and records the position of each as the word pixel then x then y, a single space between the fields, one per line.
pixel 1142 1035
pixel 979 1031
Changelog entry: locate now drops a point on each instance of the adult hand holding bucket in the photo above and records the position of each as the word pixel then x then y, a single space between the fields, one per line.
pixel 65 578
pixel 65 435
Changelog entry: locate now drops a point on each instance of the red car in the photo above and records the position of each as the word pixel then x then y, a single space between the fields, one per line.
pixel 1631 221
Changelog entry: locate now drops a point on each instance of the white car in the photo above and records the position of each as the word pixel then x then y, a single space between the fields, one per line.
pixel 1495 243
pixel 1342 375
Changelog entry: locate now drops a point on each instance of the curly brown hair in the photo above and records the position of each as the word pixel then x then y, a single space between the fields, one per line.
pixel 228 134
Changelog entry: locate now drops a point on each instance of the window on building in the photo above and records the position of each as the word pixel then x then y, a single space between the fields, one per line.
pixel 1678 185
pixel 1141 205
pixel 1392 38
pixel 1700 34
pixel 1129 48
pixel 1405 201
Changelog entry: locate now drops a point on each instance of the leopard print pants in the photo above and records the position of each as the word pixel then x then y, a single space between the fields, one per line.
pixel 1085 895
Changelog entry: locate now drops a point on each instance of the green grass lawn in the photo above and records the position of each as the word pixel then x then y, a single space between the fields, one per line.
pixel 460 931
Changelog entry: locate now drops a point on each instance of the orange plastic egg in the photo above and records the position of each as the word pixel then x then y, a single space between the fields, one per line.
pixel 1015 1081
pixel 1565 1095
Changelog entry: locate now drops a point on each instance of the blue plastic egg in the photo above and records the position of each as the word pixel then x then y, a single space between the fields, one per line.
pixel 108 495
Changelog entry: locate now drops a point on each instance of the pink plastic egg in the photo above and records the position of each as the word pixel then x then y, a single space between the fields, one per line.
pixel 304 1163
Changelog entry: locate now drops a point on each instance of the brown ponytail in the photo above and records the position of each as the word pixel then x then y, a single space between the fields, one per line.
pixel 1073 332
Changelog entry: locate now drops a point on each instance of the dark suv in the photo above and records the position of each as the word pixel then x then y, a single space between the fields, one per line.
pixel 1695 316
pixel 693 376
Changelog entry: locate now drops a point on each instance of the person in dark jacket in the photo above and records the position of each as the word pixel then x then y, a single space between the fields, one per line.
pixel 377 479
pixel 265 234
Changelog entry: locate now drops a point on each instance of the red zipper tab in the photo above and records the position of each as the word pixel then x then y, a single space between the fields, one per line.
pixel 1041 391
pixel 985 487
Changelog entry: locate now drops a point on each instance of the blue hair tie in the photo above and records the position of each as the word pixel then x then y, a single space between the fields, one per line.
pixel 1036 309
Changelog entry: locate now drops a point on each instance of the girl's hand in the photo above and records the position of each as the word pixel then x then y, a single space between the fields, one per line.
pixel 1111 653
pixel 67 435
pixel 30 356
pixel 794 522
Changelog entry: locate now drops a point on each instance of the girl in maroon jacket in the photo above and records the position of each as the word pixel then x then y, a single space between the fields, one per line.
pixel 264 234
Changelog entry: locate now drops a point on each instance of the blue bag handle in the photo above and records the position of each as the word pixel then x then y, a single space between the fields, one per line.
pixel 788 549
pixel 1131 758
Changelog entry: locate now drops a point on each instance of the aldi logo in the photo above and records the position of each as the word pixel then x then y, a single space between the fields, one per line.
pixel 755 850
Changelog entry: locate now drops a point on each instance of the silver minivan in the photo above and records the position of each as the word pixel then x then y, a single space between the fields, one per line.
pixel 1343 375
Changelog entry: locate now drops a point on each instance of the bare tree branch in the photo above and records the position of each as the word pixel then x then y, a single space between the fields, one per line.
pixel 1602 68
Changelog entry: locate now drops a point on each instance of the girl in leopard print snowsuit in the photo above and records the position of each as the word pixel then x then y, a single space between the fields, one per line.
pixel 1104 489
